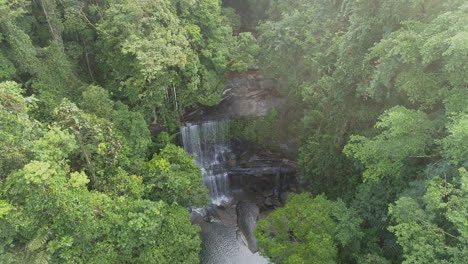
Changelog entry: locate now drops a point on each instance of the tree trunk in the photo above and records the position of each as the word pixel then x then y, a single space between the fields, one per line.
pixel 49 14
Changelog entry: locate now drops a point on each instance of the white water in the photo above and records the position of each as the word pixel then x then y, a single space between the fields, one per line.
pixel 209 142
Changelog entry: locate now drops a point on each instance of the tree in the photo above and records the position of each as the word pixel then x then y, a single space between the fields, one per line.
pixel 244 51
pixel 307 230
pixel 130 125
pixel 100 149
pixel 17 128
pixel 405 133
pixel 96 100
pixel 51 217
pixel 432 228
pixel 173 177
pixel 455 144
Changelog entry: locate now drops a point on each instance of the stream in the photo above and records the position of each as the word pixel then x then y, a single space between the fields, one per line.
pixel 221 245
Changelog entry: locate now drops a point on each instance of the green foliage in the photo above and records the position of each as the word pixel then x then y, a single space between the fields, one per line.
pixel 232 17
pixel 147 31
pixel 136 136
pixel 122 62
pixel 305 223
pixel 7 69
pixel 262 130
pixel 161 141
pixel 357 68
pixel 73 184
pixel 17 128
pixel 405 133
pixel 100 151
pixel 96 100
pixel 244 51
pixel 456 143
pixel 161 56
pixel 173 54
pixel 423 59
pixel 11 9
pixel 130 124
pixel 173 177
pixel 420 223
pixel 104 229
pixel 325 169
pixel 375 259
pixel 55 145
pixel 55 78
pixel 307 230
pixel 74 181
pixel 347 228
pixel 17 43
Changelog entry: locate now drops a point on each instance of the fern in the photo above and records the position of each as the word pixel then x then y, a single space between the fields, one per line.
pixel 41 257
pixel 35 252
pixel 39 240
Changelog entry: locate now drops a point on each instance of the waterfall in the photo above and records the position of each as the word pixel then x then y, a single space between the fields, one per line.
pixel 209 142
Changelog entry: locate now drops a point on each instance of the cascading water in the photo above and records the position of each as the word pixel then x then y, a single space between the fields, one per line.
pixel 209 141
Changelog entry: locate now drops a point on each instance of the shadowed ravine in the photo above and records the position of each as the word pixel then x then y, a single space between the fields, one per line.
pixel 227 225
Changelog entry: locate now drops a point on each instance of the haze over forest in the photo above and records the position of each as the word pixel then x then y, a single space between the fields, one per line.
pixel 370 120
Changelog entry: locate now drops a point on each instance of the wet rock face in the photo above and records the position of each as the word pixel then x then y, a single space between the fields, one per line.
pixel 156 129
pixel 266 176
pixel 247 216
pixel 250 168
pixel 245 95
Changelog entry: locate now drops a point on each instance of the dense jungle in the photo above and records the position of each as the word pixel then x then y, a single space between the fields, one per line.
pixel 96 98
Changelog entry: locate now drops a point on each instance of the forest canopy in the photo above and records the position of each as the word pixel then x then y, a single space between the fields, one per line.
pixel 380 90
pixel 377 100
